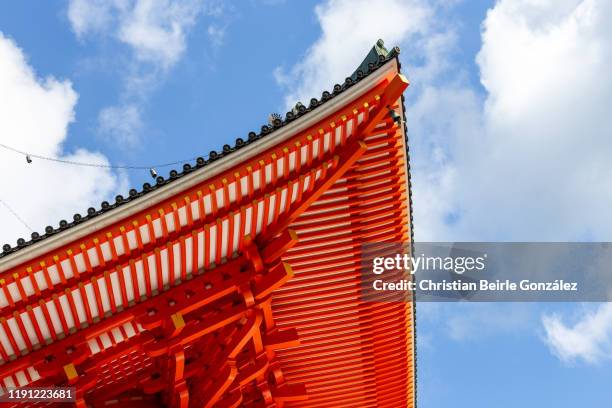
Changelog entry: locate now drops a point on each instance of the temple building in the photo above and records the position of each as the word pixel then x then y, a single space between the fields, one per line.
pixel 233 282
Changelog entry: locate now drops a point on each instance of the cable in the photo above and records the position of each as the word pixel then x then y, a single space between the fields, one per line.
pixel 108 166
pixel 28 157
pixel 8 207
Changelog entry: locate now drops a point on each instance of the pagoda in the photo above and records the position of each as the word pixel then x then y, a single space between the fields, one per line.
pixel 233 282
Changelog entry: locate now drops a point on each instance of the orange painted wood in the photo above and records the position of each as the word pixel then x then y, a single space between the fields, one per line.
pixel 317 344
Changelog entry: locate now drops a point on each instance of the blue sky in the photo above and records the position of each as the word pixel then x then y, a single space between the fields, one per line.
pixel 188 110
pixel 507 113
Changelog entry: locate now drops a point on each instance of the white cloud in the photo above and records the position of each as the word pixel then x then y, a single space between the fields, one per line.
pixel 589 339
pixel 531 161
pixel 90 15
pixel 34 116
pixel 155 32
pixel 156 29
pixel 545 67
pixel 535 166
pixel 123 123
pixel 538 170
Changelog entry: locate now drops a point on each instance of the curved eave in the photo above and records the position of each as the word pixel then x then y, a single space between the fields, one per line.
pixel 150 195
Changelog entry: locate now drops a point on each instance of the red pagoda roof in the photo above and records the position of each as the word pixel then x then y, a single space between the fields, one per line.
pixel 236 281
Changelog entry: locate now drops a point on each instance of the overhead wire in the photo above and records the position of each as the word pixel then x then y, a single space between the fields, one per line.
pixel 14 213
pixel 29 157
pixel 102 165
